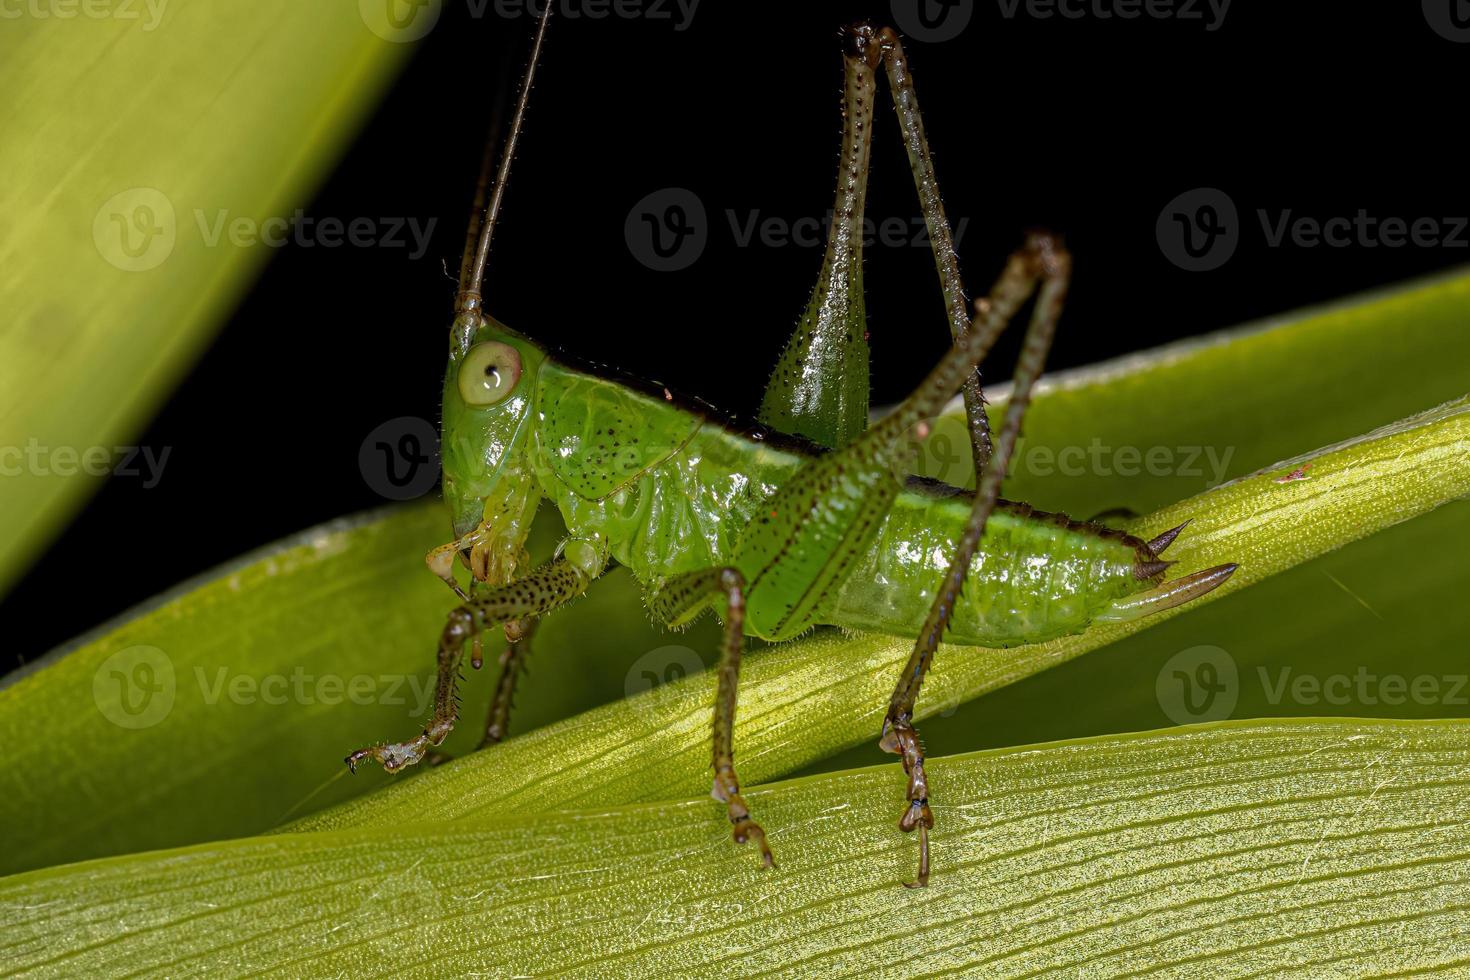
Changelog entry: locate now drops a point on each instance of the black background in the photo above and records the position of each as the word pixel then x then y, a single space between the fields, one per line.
pixel 1088 126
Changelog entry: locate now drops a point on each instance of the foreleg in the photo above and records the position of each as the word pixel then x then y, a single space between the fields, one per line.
pixel 543 589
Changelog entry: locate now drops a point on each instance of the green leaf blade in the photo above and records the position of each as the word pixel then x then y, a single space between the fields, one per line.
pixel 97 327
pixel 1223 850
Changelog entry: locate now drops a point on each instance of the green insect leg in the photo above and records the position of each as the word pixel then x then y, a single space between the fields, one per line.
pixel 675 603
pixel 518 634
pixel 819 388
pixel 1016 282
pixel 518 650
pixel 543 589
pixel 899 735
pixel 946 261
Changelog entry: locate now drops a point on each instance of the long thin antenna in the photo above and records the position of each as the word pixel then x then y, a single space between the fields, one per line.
pixel 490 141
pixel 472 267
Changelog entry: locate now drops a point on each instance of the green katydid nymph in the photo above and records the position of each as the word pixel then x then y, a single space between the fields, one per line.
pixel 808 518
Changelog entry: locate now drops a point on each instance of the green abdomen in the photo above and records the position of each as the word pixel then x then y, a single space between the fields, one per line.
pixel 1034 577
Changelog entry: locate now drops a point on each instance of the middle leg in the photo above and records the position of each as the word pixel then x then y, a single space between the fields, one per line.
pixel 677 602
pixel 518 633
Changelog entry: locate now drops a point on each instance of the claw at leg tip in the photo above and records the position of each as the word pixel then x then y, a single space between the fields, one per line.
pixel 922 880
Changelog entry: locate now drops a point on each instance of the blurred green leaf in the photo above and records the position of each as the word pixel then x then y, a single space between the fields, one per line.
pixel 109 281
pixel 1301 848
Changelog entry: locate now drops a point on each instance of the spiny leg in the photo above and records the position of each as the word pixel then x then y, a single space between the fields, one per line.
pixel 826 512
pixel 899 735
pixel 1010 290
pixel 1015 285
pixel 675 603
pixel 518 633
pixel 542 590
pixel 512 665
pixel 819 387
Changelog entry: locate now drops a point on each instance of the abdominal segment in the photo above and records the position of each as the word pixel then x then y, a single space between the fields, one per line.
pixel 1034 577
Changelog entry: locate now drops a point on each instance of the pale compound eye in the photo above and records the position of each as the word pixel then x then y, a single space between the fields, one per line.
pixel 489 373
